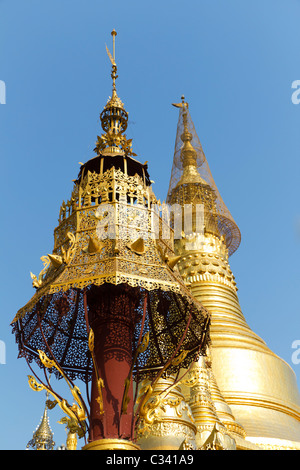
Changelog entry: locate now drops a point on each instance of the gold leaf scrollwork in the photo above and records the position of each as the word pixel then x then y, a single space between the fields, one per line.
pixel 149 403
pixel 34 385
pixel 111 139
pixel 152 403
pixel 55 261
pixel 67 255
pixel 192 378
pixel 51 404
pixel 99 399
pixel 45 360
pixel 99 380
pixel 179 358
pixel 91 341
pixel 144 343
pixel 76 416
pixel 38 281
pixel 76 413
pixel 126 398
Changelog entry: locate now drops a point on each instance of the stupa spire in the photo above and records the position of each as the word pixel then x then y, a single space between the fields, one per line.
pixel 113 60
pixel 188 154
pixel 191 182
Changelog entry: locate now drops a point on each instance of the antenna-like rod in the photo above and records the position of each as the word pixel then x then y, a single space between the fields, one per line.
pixel 114 33
pixel 112 58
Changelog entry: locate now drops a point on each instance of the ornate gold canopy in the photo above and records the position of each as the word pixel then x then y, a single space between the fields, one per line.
pixel 109 233
pixel 110 291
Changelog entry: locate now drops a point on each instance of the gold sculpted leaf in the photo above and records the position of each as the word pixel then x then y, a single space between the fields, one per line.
pixel 34 384
pixel 179 358
pixel 45 360
pixel 67 255
pixel 144 344
pixel 126 398
pixel 113 62
pixel 99 399
pixel 51 404
pixel 91 340
pixel 37 282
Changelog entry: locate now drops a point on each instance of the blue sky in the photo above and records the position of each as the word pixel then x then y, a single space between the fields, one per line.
pixel 234 61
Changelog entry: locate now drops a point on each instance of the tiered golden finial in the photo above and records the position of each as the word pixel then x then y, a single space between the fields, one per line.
pixel 114 119
pixel 211 432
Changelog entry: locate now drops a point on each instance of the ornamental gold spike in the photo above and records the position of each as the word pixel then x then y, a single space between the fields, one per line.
pixel 112 57
pixel 173 261
pixel 94 246
pixel 56 260
pixel 182 104
pixel 114 119
pixel 138 246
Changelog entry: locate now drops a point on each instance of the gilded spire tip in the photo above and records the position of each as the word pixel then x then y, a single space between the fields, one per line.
pixel 114 100
pixel 183 103
pixel 114 119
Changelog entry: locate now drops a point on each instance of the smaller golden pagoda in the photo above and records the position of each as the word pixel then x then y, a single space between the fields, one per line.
pixel 43 436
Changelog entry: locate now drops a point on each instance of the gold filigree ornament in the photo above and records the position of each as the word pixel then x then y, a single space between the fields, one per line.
pixel 148 403
pixel 179 358
pixel 54 261
pixel 140 349
pixel 193 376
pixel 38 281
pixel 68 254
pixel 99 380
pixel 112 139
pixel 152 402
pixel 144 343
pixel 75 419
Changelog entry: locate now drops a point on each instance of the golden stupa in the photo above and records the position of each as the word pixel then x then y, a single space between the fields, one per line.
pixel 259 387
